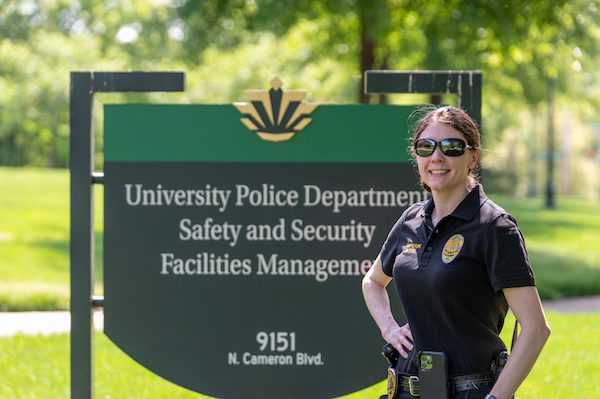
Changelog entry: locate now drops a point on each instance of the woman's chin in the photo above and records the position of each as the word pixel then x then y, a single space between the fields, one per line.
pixel 442 186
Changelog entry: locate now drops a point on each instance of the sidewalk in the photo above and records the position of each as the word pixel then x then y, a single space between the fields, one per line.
pixel 574 305
pixel 45 323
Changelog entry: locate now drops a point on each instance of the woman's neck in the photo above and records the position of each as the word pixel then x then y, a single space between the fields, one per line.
pixel 447 202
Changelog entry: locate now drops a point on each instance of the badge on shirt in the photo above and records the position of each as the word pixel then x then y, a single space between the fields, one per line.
pixel 452 248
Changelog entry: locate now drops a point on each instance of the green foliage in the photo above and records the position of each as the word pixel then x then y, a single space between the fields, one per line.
pixel 42 42
pixel 226 24
pixel 322 77
pixel 37 366
pixel 227 46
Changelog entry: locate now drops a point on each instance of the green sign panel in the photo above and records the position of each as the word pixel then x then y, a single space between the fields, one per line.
pixel 233 263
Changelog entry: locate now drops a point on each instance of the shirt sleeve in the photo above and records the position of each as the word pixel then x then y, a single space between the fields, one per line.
pixel 389 251
pixel 507 262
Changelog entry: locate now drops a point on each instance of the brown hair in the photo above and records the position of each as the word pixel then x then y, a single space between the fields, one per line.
pixel 457 119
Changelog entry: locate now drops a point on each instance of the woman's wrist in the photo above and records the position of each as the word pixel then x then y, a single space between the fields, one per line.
pixel 389 328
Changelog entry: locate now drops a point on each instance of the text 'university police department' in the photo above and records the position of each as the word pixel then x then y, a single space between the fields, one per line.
pixel 268 195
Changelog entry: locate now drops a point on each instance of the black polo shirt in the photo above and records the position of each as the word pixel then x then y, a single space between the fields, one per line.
pixel 450 278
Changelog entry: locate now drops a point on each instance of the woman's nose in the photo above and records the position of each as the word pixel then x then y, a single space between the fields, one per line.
pixel 437 154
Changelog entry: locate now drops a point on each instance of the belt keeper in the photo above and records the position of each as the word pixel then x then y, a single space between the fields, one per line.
pixel 413 387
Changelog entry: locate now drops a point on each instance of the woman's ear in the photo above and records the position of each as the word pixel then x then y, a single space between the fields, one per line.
pixel 475 157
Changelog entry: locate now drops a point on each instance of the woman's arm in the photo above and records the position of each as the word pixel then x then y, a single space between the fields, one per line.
pixel 376 297
pixel 526 305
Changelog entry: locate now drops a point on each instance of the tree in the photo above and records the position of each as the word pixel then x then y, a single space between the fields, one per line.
pixel 519 46
pixel 41 42
pixel 225 23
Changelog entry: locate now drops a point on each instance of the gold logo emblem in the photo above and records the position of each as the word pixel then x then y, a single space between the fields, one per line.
pixel 452 248
pixel 273 114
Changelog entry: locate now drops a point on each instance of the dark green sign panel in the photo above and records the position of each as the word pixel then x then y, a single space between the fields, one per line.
pixel 233 264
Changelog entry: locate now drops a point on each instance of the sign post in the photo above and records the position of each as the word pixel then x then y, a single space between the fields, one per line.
pixel 83 87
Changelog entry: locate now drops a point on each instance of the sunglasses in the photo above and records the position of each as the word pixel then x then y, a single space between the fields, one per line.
pixel 449 147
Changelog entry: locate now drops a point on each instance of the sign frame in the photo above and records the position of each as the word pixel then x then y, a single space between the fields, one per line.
pixel 466 84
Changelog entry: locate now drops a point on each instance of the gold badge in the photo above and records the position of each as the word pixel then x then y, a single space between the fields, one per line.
pixel 392 385
pixel 452 248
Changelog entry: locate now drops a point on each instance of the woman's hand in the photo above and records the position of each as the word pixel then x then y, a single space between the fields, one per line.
pixel 378 303
pixel 400 338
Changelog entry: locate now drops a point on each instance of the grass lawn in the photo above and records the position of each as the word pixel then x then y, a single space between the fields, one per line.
pixel 38 367
pixel 34 238
pixel 34 241
pixel 563 244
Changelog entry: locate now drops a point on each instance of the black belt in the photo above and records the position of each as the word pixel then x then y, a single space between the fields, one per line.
pixel 411 383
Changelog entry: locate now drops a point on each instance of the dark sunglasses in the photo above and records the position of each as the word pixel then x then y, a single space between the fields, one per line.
pixel 449 147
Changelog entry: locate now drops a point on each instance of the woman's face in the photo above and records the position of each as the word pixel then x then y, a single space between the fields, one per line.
pixel 443 173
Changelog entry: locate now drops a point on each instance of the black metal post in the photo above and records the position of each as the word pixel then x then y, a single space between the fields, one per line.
pixel 83 87
pixel 465 84
pixel 82 235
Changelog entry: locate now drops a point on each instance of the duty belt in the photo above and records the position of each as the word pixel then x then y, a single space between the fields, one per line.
pixel 411 383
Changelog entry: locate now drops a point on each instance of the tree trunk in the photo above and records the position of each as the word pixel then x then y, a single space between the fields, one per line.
pixel 383 98
pixel 550 160
pixel 435 99
pixel 367 60
pixel 533 156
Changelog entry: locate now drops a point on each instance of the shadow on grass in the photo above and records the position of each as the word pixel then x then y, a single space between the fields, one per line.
pixel 33 301
pixel 562 276
pixel 59 246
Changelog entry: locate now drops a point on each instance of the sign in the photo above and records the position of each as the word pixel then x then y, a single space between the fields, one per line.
pixel 232 263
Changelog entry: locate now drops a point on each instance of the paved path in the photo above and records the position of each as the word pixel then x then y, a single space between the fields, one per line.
pixel 12 323
pixel 574 305
pixel 45 323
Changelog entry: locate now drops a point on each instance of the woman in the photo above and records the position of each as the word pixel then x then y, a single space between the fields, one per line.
pixel 458 262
